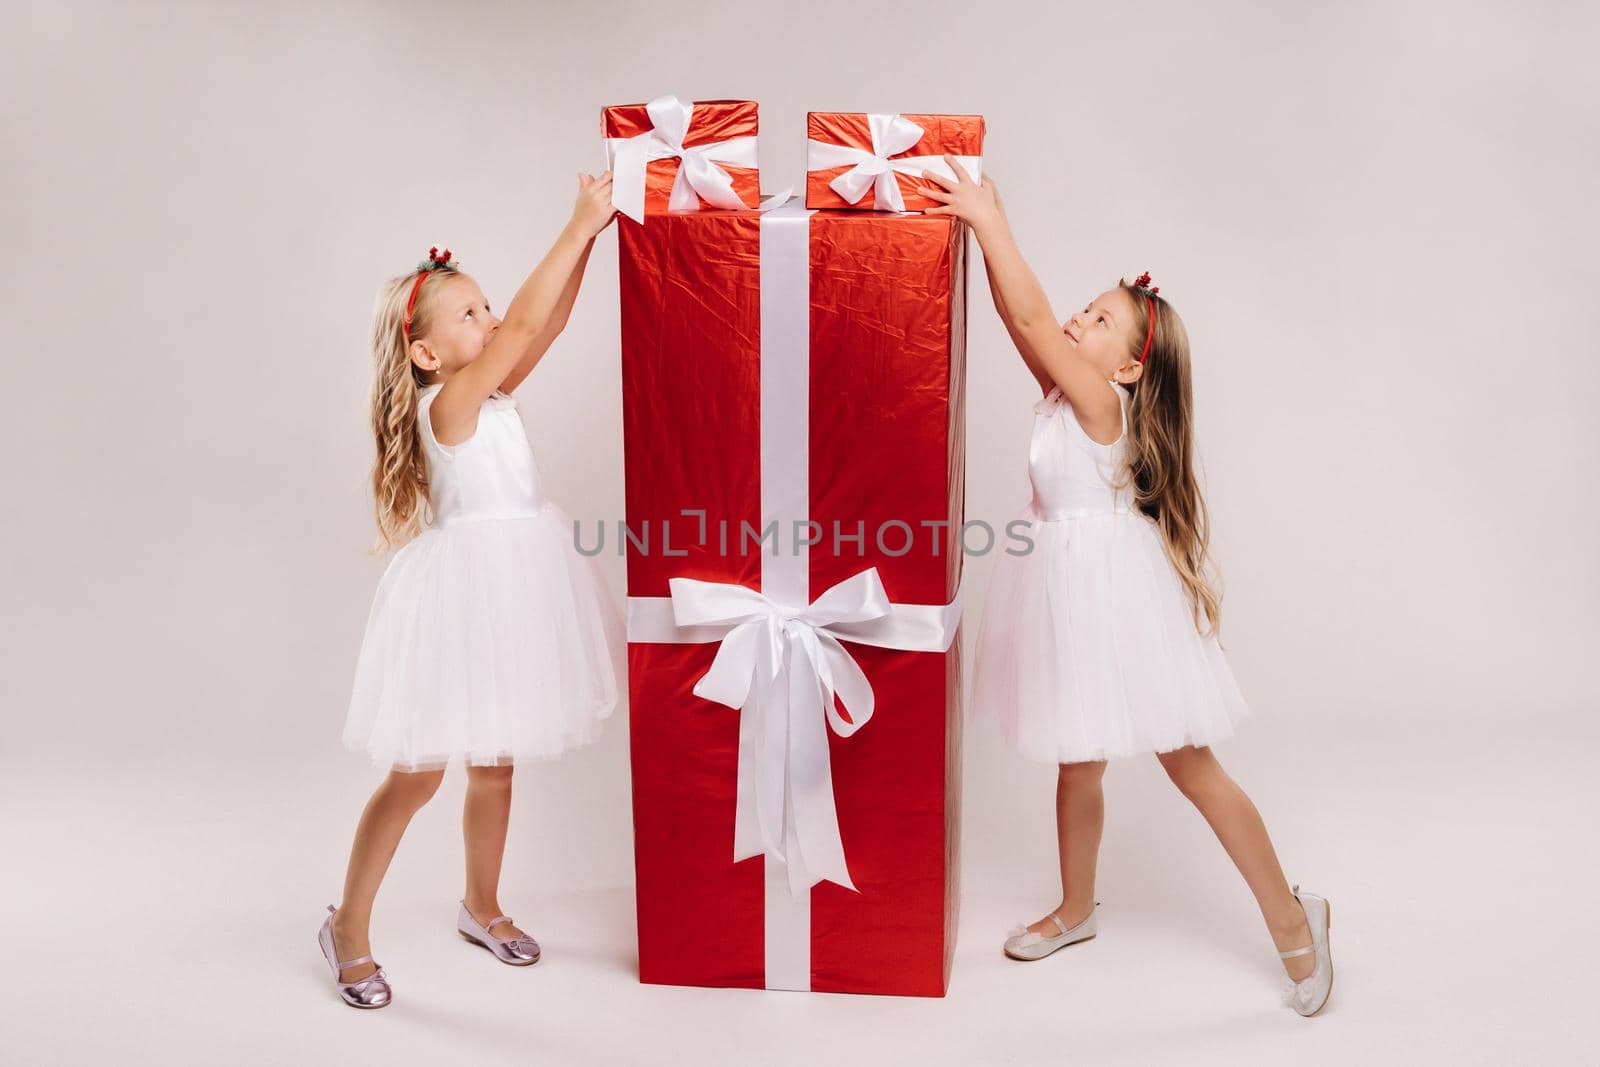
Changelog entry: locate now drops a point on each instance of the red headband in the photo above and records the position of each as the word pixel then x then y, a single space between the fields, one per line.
pixel 1150 330
pixel 435 261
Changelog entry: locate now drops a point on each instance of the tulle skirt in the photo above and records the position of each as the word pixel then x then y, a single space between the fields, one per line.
pixel 489 640
pixel 1087 649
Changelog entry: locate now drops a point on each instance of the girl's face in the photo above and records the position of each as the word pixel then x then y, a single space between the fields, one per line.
pixel 1102 333
pixel 459 326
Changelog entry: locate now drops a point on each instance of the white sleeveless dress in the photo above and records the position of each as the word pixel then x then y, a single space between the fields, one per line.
pixel 1087 649
pixel 491 638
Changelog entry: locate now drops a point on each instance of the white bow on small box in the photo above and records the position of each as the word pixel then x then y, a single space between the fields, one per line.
pixel 874 169
pixel 699 177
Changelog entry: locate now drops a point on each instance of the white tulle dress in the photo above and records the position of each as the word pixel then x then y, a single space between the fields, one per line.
pixel 1087 648
pixel 491 638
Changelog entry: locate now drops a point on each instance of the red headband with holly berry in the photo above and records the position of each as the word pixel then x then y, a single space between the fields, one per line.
pixel 436 261
pixel 1142 282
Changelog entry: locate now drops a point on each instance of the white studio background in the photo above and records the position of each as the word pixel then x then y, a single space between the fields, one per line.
pixel 1376 220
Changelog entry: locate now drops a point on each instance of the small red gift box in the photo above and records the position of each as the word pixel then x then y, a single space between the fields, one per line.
pixel 794 443
pixel 875 162
pixel 671 156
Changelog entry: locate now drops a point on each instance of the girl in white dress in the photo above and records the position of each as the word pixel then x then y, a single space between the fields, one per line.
pixel 1101 641
pixel 491 639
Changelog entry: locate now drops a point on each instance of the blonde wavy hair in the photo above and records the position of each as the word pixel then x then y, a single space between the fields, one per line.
pixel 1161 454
pixel 400 472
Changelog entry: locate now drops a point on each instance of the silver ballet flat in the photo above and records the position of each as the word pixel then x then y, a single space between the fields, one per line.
pixel 1310 995
pixel 370 992
pixel 1025 944
pixel 517 951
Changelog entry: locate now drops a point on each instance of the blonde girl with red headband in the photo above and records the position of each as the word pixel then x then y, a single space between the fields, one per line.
pixel 491 640
pixel 1101 642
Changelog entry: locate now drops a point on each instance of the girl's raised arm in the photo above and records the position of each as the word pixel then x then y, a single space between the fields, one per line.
pixel 536 313
pixel 557 323
pixel 1032 324
pixel 1034 367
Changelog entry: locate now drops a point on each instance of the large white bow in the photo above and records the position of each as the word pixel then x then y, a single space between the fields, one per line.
pixel 781 667
pixel 698 178
pixel 891 135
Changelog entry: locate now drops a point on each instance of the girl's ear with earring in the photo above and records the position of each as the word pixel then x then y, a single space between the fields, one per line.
pixel 423 358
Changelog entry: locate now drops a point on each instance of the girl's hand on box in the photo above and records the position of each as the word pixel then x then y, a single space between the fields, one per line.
pixel 593 211
pixel 975 203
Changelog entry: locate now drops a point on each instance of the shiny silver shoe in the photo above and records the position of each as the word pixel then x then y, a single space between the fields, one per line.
pixel 1310 995
pixel 370 992
pixel 1025 944
pixel 517 951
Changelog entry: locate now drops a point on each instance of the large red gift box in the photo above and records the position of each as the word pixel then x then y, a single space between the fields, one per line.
pixel 875 162
pixel 669 155
pixel 794 446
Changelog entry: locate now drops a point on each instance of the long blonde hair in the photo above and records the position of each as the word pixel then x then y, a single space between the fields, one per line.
pixel 400 472
pixel 1161 454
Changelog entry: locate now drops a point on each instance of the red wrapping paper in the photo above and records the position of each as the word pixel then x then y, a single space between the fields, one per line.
pixel 887 320
pixel 712 120
pixel 959 135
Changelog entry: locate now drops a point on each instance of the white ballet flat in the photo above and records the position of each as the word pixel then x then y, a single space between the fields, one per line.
pixel 1024 944
pixel 1310 995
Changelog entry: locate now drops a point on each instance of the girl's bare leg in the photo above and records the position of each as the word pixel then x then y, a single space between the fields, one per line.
pixel 1238 825
pixel 384 820
pixel 484 819
pixel 1080 818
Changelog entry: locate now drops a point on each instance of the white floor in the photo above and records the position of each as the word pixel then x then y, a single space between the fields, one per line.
pixel 176 924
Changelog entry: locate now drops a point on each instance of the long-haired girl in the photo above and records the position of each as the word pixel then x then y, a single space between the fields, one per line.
pixel 491 640
pixel 1101 642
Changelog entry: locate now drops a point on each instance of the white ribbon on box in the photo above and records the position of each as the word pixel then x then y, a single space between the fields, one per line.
pixel 698 178
pixel 781 660
pixel 891 135
pixel 781 666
